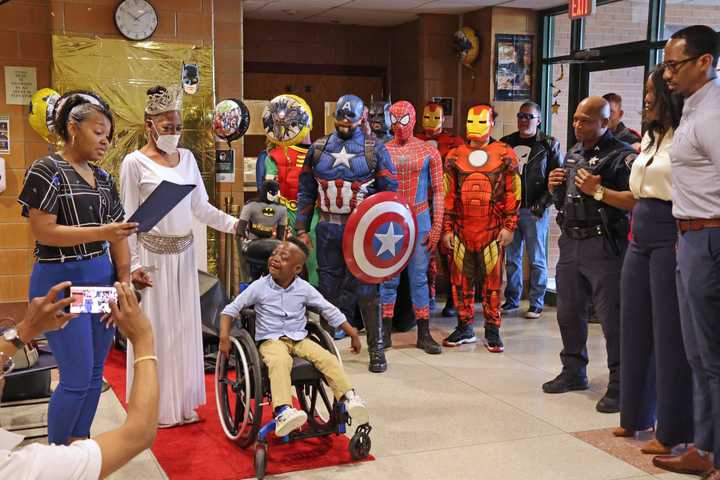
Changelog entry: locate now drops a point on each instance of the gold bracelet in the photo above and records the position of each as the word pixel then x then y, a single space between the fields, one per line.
pixel 148 357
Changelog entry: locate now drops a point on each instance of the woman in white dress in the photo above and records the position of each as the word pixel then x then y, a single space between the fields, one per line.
pixel 173 302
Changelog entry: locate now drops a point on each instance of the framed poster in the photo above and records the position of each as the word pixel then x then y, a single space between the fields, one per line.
pixel 4 134
pixel 513 67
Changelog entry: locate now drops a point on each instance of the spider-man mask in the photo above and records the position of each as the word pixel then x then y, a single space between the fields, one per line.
pixel 402 120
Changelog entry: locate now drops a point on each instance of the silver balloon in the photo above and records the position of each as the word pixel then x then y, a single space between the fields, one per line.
pixel 231 119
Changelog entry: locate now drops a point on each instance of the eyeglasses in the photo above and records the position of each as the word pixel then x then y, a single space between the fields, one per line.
pixel 674 67
pixel 526 116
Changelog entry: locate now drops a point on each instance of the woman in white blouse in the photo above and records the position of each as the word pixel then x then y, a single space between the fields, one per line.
pixel 655 376
pixel 173 302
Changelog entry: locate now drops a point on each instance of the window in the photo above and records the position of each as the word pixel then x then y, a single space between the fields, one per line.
pixel 558 124
pixel 617 22
pixel 683 13
pixel 560 28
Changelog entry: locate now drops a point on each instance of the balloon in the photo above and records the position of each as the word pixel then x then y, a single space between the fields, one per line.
pixel 287 120
pixel 42 108
pixel 467 45
pixel 231 119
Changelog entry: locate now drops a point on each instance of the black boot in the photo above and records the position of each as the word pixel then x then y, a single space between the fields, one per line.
pixel 449 311
pixel 387 333
pixel 425 341
pixel 370 310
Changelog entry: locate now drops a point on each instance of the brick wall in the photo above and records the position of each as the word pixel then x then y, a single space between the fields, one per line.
pixel 315 43
pixel 26 27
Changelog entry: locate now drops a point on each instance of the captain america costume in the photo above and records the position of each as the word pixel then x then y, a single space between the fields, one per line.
pixel 339 172
pixel 420 179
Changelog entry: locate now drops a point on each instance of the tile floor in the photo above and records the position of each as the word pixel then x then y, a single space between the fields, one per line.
pixel 465 414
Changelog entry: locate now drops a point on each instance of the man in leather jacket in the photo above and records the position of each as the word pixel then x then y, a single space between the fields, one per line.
pixel 538 154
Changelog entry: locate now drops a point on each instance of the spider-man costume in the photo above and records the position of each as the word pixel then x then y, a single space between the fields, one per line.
pixel 339 172
pixel 432 132
pixel 418 168
pixel 482 194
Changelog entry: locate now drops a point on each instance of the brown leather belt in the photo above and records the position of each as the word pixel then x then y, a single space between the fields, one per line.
pixel 697 224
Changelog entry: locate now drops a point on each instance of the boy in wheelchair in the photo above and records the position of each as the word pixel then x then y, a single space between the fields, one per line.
pixel 280 300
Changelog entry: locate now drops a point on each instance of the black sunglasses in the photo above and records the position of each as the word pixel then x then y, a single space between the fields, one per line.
pixel 526 116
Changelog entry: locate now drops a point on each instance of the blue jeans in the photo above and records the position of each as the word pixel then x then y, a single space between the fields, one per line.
pixel 417 271
pixel 79 349
pixel 532 232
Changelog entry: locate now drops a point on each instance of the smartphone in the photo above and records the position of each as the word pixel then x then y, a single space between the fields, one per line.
pixel 87 299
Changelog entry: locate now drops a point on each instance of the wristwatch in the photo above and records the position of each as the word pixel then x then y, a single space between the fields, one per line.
pixel 11 335
pixel 599 193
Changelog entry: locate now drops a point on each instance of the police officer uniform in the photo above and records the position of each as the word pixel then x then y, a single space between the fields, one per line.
pixel 592 246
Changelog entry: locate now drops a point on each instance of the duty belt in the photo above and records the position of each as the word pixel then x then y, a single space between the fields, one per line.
pixel 166 244
pixel 583 233
pixel 337 218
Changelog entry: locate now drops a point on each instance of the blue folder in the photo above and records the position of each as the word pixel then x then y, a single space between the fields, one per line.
pixel 163 199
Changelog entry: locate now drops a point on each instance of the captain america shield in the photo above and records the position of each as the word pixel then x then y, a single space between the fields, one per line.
pixel 379 237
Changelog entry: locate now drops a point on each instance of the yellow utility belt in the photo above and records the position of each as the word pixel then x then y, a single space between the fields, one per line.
pixel 291 205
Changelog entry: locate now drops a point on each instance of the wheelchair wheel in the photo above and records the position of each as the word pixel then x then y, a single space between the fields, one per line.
pixel 238 390
pixel 323 338
pixel 317 401
pixel 360 443
pixel 260 461
pixel 315 398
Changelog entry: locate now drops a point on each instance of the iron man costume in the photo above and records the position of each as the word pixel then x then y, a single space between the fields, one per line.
pixel 419 174
pixel 432 125
pixel 482 194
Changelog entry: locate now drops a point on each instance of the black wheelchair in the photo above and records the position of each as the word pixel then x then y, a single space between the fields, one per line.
pixel 242 390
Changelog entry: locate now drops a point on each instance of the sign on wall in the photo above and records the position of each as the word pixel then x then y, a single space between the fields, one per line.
pixel 225 166
pixel 20 84
pixel 4 134
pixel 513 67
pixel 580 8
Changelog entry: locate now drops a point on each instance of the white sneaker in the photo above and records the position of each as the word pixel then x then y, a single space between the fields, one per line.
pixel 357 409
pixel 289 420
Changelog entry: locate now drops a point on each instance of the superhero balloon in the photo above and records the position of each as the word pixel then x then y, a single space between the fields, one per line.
pixel 379 238
pixel 231 119
pixel 42 109
pixel 467 45
pixel 287 119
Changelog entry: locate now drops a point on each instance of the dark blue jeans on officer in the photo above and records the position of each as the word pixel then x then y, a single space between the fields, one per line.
pixel 588 272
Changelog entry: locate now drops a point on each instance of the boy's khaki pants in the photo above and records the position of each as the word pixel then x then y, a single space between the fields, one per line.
pixel 277 355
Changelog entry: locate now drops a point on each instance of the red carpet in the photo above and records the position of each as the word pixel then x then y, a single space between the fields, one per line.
pixel 202 451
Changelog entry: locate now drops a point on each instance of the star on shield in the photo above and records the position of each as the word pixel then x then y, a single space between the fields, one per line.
pixel 342 157
pixel 388 241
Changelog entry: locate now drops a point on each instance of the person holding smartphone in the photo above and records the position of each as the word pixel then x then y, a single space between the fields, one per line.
pixel 76 218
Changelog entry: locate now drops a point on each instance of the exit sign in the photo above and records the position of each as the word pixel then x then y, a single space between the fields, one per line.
pixel 580 8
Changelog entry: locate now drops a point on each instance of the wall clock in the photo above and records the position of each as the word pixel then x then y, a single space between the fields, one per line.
pixel 136 19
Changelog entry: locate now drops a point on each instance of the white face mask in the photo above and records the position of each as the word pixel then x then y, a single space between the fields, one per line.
pixel 166 143
pixel 271 198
